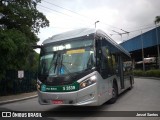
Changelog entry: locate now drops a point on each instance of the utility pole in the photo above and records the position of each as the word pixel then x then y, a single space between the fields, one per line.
pixel 142 52
pixel 96 23
pixel 158 56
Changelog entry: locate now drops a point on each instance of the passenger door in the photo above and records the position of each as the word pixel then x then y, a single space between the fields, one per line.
pixel 120 71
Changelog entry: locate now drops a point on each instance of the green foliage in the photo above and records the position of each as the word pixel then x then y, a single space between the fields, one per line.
pixel 157 19
pixel 32 61
pixel 15 53
pixel 153 73
pixel 20 21
pixel 22 14
pixel 148 73
pixel 138 72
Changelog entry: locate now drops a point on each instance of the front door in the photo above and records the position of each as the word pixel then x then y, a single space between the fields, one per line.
pixel 120 71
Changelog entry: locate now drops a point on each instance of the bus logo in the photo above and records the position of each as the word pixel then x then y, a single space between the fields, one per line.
pixel 6 114
pixel 43 88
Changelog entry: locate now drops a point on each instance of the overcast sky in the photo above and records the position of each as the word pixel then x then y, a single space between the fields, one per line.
pixel 114 15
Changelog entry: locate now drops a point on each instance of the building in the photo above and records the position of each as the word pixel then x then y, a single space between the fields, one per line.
pixel 144 47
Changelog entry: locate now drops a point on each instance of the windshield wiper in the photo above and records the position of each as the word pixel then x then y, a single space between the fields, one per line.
pixel 56 63
pixel 52 62
pixel 65 68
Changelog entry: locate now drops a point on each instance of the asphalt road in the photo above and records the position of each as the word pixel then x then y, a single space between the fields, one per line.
pixel 145 96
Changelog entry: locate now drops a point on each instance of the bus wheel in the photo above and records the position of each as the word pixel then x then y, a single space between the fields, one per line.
pixel 114 94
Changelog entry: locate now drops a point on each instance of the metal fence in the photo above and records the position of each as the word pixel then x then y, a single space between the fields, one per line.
pixel 11 84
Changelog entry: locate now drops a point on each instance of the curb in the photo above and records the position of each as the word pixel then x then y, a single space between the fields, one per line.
pixel 155 78
pixel 15 100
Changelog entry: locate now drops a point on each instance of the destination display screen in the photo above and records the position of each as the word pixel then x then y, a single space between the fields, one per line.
pixel 64 88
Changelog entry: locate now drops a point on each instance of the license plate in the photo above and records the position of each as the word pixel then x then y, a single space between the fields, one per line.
pixel 57 101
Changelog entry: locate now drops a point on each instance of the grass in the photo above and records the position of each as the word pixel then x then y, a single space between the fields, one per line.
pixel 148 73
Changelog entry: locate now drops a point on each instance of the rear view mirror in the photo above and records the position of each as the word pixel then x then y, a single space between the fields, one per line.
pixel 36 46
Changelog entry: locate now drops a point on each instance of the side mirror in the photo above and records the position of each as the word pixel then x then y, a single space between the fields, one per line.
pixel 36 46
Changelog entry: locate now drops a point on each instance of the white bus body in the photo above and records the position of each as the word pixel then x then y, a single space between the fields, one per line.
pixel 82 68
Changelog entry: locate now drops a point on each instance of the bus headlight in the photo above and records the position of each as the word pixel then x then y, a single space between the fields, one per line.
pixel 88 82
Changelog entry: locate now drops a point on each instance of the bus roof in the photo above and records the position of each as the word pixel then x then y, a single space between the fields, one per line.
pixel 82 32
pixel 70 35
pixel 113 42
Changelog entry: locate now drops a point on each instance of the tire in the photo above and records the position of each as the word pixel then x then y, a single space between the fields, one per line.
pixel 114 94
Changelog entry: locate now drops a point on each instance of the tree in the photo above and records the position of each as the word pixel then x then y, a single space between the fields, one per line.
pixel 157 19
pixel 22 14
pixel 20 23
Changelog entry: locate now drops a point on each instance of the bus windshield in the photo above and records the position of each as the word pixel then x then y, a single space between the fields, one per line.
pixel 66 58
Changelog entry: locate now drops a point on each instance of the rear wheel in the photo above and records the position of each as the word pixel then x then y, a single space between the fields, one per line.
pixel 114 94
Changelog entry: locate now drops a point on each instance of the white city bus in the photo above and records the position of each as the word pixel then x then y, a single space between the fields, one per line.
pixel 82 67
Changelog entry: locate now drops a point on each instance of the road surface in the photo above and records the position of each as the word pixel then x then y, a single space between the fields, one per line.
pixel 145 96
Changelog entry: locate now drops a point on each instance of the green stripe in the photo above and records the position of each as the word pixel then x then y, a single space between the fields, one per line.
pixel 63 88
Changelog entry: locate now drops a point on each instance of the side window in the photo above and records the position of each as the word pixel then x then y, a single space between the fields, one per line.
pixel 127 65
pixel 104 59
pixel 115 63
pixel 107 62
pixel 107 58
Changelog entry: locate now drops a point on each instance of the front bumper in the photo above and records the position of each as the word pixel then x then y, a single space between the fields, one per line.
pixel 87 96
